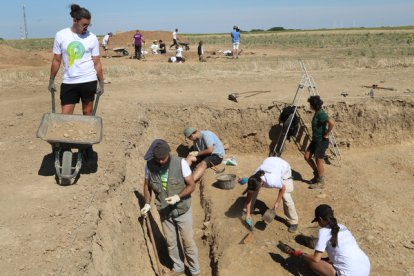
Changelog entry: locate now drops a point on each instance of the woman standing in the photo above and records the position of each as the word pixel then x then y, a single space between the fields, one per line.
pixel 79 50
pixel 275 173
pixel 345 256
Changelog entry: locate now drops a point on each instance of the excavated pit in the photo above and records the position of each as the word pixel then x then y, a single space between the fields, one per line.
pixel 250 134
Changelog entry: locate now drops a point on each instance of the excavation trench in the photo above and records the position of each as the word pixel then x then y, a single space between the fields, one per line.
pixel 121 245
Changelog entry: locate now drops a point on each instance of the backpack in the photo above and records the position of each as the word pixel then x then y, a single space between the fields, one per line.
pixel 284 117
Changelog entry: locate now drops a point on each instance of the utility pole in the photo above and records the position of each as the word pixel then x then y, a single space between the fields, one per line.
pixel 26 33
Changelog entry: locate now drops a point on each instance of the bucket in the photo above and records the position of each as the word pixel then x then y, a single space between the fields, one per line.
pixel 226 181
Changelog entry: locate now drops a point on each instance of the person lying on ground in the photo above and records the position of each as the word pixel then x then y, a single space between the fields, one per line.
pixel 274 173
pixel 208 150
pixel 345 256
pixel 170 178
pixel 322 126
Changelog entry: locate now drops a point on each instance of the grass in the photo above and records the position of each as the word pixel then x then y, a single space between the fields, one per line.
pixel 30 44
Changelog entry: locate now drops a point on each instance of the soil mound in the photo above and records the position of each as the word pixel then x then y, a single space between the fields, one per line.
pixel 10 56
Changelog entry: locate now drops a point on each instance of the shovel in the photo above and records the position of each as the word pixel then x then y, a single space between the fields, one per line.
pixel 249 236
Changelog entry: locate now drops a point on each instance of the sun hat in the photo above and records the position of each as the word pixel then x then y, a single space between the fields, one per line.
pixel 188 131
pixel 322 211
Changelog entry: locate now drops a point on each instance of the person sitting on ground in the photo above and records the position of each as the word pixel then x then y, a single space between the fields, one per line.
pixel 154 48
pixel 162 48
pixel 273 173
pixel 200 51
pixel 105 43
pixel 322 126
pixel 169 177
pixel 345 256
pixel 179 53
pixel 208 150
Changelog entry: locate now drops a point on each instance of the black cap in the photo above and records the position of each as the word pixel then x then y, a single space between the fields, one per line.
pixel 322 211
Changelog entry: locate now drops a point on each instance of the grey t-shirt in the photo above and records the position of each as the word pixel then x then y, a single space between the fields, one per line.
pixel 208 139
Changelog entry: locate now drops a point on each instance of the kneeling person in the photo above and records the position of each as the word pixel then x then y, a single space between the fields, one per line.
pixel 169 177
pixel 208 150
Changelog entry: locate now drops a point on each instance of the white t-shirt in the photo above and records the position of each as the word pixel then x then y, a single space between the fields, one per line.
pixel 276 170
pixel 347 258
pixel 154 48
pixel 77 51
pixel 185 169
pixel 174 35
pixel 105 40
pixel 179 52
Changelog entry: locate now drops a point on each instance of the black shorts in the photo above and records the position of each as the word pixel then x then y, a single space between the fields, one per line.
pixel 210 160
pixel 71 93
pixel 318 148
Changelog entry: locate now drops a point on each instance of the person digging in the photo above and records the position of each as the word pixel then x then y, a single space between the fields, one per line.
pixel 208 150
pixel 322 126
pixel 274 173
pixel 345 257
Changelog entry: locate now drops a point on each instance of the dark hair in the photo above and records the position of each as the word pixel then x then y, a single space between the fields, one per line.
pixel 333 224
pixel 254 182
pixel 315 102
pixel 78 13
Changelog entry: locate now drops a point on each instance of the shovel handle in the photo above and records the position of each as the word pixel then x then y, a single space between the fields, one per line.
pixel 53 102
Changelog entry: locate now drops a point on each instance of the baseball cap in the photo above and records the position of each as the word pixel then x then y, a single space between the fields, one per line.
pixel 158 149
pixel 188 131
pixel 322 211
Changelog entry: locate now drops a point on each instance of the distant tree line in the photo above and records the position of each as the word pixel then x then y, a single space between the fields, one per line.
pixel 273 29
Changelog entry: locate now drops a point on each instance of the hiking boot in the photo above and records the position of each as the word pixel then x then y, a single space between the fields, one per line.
pixel 320 183
pixel 293 228
pixel 314 180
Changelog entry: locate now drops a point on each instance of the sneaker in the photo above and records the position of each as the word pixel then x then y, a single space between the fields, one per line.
pixel 293 228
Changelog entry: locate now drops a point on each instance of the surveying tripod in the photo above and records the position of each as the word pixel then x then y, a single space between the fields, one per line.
pixel 308 82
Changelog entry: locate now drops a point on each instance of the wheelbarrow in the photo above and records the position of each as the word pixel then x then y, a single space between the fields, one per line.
pixel 66 132
pixel 121 51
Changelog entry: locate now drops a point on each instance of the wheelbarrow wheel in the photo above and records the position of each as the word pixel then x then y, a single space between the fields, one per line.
pixel 66 167
pixel 125 53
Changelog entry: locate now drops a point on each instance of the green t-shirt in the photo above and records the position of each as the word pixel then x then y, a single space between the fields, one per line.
pixel 319 125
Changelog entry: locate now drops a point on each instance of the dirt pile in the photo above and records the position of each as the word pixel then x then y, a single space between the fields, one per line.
pixel 12 57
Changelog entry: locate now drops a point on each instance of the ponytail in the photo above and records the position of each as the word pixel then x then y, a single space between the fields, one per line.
pixel 333 224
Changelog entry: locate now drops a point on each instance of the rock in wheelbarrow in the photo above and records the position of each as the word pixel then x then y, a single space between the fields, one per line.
pixel 269 215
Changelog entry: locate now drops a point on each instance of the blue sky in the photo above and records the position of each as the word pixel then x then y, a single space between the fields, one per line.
pixel 46 17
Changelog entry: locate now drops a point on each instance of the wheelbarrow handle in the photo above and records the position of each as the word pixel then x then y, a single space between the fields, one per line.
pixel 53 102
pixel 95 106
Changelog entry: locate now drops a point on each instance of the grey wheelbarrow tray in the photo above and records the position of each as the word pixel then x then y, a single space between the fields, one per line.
pixel 50 120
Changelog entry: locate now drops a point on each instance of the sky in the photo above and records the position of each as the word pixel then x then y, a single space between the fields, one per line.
pixel 46 17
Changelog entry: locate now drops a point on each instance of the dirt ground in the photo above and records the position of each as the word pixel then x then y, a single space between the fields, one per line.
pixel 93 227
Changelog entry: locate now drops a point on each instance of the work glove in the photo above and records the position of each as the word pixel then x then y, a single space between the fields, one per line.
pixel 145 209
pixel 172 199
pixel 194 153
pixel 289 250
pixel 100 88
pixel 52 86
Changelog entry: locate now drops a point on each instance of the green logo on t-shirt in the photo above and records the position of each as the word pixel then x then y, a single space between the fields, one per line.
pixel 75 51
